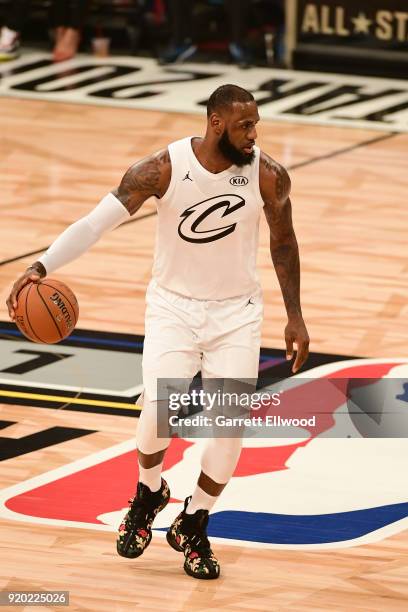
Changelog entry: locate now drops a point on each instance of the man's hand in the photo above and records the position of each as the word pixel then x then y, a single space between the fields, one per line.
pixel 33 273
pixel 296 332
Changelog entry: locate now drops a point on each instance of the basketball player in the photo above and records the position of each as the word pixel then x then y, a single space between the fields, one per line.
pixel 204 303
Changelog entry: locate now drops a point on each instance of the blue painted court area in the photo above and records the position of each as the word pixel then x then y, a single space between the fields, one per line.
pixel 303 529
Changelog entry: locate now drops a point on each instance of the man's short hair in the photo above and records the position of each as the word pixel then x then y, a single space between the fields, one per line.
pixel 225 96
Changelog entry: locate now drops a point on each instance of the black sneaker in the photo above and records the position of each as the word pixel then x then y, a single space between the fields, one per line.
pixel 135 531
pixel 188 534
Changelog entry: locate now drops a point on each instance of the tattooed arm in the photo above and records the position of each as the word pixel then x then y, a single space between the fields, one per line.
pixel 275 190
pixel 150 176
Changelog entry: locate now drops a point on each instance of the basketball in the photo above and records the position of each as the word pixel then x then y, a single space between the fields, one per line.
pixel 46 311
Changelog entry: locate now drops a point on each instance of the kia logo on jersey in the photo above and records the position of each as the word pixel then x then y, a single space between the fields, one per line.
pixel 239 181
pixel 198 220
pixel 302 492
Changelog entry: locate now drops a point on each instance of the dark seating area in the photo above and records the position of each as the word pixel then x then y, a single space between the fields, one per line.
pixel 142 27
pixel 120 19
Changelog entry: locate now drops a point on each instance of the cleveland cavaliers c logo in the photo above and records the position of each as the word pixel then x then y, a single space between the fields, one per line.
pixel 193 225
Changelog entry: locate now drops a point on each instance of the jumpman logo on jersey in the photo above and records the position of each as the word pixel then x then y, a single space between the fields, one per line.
pixel 187 177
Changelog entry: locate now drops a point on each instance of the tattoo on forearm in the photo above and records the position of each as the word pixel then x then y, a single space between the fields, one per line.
pixel 285 253
pixel 285 259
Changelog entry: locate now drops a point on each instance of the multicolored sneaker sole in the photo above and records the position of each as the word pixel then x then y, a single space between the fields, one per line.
pixel 198 562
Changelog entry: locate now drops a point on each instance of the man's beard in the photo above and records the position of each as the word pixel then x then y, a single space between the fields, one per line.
pixel 236 156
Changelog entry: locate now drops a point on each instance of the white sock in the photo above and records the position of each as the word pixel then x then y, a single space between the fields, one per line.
pixel 200 501
pixel 151 477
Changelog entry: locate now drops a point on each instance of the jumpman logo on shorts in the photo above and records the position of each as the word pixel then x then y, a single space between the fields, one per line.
pixel 187 177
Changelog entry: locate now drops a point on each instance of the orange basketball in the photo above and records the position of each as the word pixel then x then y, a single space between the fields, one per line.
pixel 46 311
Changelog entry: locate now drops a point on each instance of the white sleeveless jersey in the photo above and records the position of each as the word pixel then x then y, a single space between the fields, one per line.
pixel 207 230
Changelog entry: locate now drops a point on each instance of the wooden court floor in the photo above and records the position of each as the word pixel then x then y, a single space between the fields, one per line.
pixel 351 218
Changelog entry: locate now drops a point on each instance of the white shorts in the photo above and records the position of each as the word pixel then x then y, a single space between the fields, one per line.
pixel 184 335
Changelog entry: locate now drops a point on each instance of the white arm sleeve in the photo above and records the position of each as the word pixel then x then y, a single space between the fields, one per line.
pixel 82 234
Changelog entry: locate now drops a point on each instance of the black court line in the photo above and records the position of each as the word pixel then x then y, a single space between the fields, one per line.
pixel 308 162
pixel 363 143
pixel 7 261
pixel 37 251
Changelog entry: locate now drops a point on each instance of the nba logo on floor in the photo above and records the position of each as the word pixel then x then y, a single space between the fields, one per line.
pixel 343 501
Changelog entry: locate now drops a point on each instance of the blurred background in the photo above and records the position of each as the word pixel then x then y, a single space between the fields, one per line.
pixel 364 37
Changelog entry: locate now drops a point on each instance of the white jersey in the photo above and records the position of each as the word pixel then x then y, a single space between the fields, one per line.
pixel 208 226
